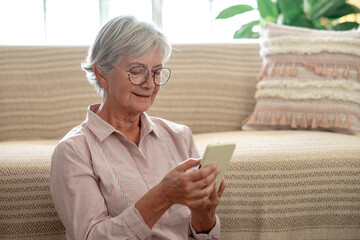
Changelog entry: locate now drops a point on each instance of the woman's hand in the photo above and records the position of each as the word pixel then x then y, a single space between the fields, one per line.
pixel 196 189
pixel 203 215
pixel 189 188
pixel 192 189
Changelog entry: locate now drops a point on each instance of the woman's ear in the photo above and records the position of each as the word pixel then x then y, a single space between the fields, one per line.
pixel 101 77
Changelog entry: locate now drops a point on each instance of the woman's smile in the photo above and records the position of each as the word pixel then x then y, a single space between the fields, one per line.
pixel 141 95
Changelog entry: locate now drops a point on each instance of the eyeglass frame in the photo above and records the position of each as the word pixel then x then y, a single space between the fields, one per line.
pixel 149 71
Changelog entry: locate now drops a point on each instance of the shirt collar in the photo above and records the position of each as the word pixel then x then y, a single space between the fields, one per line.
pixel 148 126
pixel 97 125
pixel 103 129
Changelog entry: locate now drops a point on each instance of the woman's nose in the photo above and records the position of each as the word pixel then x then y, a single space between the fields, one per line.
pixel 150 79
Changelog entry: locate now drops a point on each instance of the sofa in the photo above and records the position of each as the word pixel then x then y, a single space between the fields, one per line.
pixel 281 184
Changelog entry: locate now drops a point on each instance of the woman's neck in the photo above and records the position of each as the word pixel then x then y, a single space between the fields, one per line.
pixel 128 124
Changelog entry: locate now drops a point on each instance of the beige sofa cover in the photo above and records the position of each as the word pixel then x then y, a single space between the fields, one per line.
pixel 280 184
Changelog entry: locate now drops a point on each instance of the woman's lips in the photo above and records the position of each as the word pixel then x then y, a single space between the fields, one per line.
pixel 141 95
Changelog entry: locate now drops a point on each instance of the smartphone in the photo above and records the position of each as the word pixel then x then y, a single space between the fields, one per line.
pixel 220 154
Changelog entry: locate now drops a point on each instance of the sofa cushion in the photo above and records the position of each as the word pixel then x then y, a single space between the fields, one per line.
pixel 287 184
pixel 310 80
pixel 280 185
pixel 26 208
pixel 44 92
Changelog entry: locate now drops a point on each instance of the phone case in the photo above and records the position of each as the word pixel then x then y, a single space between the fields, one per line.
pixel 220 154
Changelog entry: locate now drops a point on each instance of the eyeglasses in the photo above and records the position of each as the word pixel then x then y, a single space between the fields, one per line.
pixel 139 74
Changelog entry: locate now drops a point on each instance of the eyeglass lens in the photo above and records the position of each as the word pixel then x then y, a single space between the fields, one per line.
pixel 138 75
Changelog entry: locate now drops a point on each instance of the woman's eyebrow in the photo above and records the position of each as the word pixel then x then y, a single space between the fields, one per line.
pixel 135 64
pixel 158 66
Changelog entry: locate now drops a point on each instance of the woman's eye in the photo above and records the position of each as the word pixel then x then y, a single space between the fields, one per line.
pixel 137 71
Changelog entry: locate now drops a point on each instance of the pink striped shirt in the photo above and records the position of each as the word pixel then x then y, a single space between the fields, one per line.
pixel 97 176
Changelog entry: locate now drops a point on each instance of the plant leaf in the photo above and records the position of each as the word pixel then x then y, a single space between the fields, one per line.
pixel 300 21
pixel 290 9
pixel 346 26
pixel 246 30
pixel 268 10
pixel 321 7
pixel 234 10
pixel 309 4
pixel 343 10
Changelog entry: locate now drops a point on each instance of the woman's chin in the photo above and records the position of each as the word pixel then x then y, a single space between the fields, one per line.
pixel 142 108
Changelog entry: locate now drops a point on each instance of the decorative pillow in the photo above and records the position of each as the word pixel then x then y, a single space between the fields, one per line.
pixel 310 79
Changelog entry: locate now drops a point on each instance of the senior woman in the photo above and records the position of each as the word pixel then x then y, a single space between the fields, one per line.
pixel 122 174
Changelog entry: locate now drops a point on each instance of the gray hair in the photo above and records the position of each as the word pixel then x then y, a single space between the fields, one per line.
pixel 122 37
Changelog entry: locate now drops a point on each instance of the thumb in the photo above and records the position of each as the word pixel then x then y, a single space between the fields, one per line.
pixel 188 164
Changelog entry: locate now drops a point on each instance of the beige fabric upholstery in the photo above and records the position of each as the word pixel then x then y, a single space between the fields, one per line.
pixel 290 185
pixel 26 207
pixel 279 184
pixel 44 92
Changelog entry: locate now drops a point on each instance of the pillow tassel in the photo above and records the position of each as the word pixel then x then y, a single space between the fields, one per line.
pixel 293 120
pixel 253 118
pixel 263 72
pixel 325 122
pixel 272 69
pixel 317 70
pixel 263 117
pixel 283 119
pixel 292 71
pixel 346 72
pixel 324 70
pixel 282 70
pixel 335 72
pixel 314 122
pixel 347 123
pixel 273 118
pixel 337 121
pixel 303 123
pixel 309 66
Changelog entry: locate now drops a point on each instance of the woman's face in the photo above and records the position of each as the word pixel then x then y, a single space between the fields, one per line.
pixel 129 98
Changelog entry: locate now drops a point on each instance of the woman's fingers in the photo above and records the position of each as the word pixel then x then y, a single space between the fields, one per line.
pixel 197 182
pixel 188 164
pixel 221 188
pixel 200 196
pixel 205 203
pixel 185 188
pixel 203 191
pixel 203 172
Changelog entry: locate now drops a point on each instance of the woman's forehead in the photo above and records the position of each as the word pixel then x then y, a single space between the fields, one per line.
pixel 151 58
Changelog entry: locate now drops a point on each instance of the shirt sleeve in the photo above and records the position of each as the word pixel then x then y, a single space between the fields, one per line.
pixel 212 235
pixel 79 202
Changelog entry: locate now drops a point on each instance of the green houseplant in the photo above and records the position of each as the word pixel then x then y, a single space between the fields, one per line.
pixel 316 14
